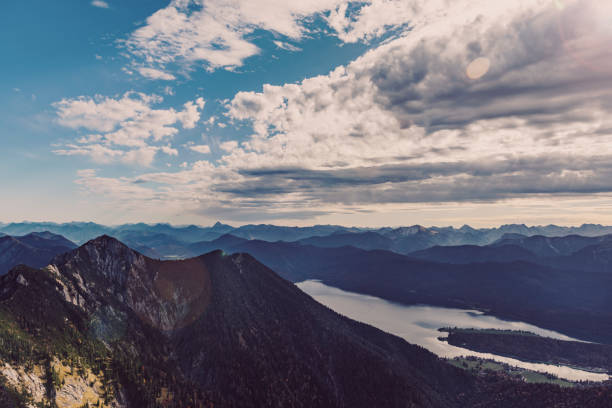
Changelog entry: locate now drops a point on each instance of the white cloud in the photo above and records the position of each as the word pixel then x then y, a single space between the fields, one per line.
pixel 103 113
pixel 169 150
pixel 152 73
pixel 191 114
pixel 126 129
pixel 215 33
pixel 100 4
pixel 373 19
pixel 142 156
pixel 287 46
pixel 229 145
pixel 98 153
pixel 203 149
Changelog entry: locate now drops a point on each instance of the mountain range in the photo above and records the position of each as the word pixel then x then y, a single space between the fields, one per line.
pixel 402 240
pixel 575 252
pixel 215 330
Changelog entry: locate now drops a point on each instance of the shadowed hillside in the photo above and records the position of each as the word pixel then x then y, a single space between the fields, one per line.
pixel 35 249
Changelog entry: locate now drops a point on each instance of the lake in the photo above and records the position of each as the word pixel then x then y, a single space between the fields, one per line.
pixel 419 325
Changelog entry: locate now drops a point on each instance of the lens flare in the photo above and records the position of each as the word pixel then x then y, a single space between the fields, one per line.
pixel 478 68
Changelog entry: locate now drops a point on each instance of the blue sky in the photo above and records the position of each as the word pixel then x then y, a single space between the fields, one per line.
pixel 381 112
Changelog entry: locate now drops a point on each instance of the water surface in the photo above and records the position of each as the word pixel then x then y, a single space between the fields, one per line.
pixel 420 324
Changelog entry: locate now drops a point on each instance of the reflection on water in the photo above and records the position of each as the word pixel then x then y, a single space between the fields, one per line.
pixel 420 324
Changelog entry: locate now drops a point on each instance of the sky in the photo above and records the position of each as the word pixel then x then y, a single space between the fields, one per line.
pixel 367 113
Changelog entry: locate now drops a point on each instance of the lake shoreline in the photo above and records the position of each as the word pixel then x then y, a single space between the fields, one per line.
pixel 420 324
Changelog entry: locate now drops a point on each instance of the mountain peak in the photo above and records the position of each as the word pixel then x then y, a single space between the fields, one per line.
pixel 219 226
pixel 104 240
pixel 109 246
pixel 43 234
pixel 105 256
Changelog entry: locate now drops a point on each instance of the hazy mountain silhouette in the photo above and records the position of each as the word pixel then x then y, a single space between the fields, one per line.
pixel 35 249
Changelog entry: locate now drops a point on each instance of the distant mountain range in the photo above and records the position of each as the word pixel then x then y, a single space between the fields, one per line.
pixel 105 324
pixel 35 249
pixel 402 240
pixel 573 252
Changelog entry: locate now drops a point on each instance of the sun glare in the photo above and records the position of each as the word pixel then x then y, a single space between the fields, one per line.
pixel 478 68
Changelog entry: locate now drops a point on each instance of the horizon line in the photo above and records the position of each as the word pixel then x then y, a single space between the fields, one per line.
pixel 151 224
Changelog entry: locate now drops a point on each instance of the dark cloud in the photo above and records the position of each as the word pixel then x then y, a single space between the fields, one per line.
pixel 532 76
pixel 485 180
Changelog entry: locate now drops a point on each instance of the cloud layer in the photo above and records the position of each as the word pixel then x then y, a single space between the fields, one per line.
pixel 476 101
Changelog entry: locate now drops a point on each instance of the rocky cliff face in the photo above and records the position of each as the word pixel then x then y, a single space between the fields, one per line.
pixel 162 293
pixel 74 389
